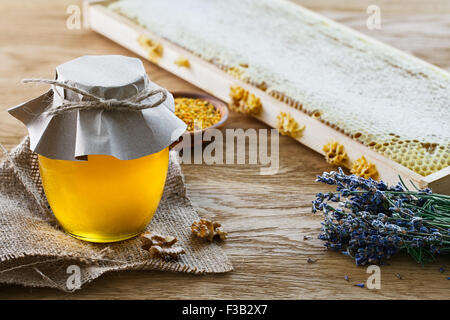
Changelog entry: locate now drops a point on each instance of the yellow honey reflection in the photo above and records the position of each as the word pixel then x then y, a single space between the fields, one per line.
pixel 104 199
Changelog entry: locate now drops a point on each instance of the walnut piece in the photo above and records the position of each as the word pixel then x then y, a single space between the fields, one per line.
pixel 160 246
pixel 208 229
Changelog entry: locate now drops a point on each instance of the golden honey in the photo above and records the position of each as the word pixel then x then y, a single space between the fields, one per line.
pixel 104 199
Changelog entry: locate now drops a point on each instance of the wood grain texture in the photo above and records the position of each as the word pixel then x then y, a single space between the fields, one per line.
pixel 266 216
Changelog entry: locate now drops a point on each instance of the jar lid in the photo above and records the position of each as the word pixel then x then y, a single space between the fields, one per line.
pixel 98 126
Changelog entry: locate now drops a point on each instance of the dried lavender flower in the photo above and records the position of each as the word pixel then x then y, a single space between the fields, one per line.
pixel 373 221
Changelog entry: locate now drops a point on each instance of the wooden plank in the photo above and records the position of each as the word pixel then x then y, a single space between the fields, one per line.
pixel 217 82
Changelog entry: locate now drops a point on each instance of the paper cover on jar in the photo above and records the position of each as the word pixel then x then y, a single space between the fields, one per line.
pixel 124 134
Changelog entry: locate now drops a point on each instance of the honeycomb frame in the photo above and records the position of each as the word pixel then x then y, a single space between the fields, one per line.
pixel 436 170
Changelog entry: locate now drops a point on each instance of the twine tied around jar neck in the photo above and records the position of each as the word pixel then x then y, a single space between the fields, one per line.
pixel 132 104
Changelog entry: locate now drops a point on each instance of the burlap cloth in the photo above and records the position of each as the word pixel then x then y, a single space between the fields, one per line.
pixel 36 252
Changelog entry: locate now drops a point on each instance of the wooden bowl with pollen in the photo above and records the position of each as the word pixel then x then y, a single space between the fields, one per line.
pixel 192 138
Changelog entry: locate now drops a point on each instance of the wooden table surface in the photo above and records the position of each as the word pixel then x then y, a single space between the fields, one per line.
pixel 266 216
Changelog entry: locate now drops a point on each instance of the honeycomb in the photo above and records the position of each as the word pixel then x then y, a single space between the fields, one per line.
pixel 361 167
pixel 390 102
pixel 236 72
pixel 421 157
pixel 154 49
pixel 244 102
pixel 334 153
pixel 287 126
pixel 182 62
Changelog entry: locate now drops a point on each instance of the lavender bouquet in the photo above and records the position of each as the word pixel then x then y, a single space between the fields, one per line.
pixel 370 221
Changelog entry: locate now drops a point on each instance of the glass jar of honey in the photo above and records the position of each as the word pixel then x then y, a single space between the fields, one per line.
pixel 102 136
pixel 104 199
